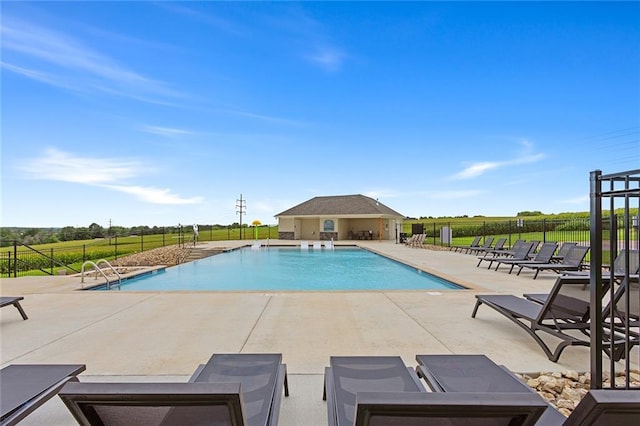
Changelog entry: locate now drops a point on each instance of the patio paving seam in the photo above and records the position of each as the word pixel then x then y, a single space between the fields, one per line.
pixel 264 309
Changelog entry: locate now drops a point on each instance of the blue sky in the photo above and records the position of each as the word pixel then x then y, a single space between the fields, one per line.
pixel 158 113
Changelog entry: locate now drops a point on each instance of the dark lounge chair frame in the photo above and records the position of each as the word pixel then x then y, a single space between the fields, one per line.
pixel 258 402
pixel 543 256
pixel 82 398
pixel 397 408
pixel 571 262
pixel 521 253
pixel 555 317
pixel 25 387
pixel 476 373
pixel 474 244
pixel 373 372
pixel 15 301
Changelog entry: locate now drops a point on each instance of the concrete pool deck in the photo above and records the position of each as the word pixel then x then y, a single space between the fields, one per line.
pixel 148 336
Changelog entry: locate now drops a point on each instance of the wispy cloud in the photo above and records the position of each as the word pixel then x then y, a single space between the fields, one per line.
pixel 480 168
pixel 328 58
pixel 107 173
pixel 207 18
pixel 155 195
pixel 69 63
pixel 170 132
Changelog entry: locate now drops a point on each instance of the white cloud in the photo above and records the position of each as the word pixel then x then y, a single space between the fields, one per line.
pixel 73 65
pixel 328 58
pixel 101 172
pixel 165 131
pixel 61 166
pixel 480 168
pixel 154 195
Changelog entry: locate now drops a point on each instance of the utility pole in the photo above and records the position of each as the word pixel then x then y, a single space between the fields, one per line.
pixel 241 208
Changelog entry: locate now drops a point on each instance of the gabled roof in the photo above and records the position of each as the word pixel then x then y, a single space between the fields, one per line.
pixel 340 205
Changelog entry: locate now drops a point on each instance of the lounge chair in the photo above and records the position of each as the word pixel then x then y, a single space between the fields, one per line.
pixel 564 315
pixel 486 246
pixel 15 301
pixel 499 246
pixel 383 391
pixel 419 241
pixel 476 373
pixel 25 387
pixel 505 251
pixel 346 376
pixel 475 243
pixel 562 251
pixel 242 389
pixel 543 256
pixel 571 262
pixel 522 253
pixel 606 407
pixel 115 404
pixel 430 408
pixel 410 240
pixel 619 268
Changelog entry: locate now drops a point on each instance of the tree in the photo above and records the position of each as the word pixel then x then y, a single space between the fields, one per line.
pixel 96 231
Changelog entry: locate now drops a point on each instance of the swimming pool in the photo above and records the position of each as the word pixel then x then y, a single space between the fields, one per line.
pixel 290 269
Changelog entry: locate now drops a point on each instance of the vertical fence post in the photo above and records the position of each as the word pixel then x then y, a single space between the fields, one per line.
pixel 51 257
pixel 596 291
pixel 84 253
pixel 141 240
pixel 115 254
pixel 9 264
pixel 163 236
pixel 544 230
pixel 15 258
pixel 434 234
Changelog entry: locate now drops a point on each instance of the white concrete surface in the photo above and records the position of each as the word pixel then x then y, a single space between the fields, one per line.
pixel 148 336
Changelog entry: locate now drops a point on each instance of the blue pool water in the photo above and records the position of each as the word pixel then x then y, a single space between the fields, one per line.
pixel 290 269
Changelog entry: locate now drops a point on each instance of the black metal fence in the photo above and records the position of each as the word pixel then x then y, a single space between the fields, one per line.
pixel 615 293
pixel 23 260
pixel 453 233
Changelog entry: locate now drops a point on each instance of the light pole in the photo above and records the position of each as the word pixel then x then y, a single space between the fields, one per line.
pixel 241 208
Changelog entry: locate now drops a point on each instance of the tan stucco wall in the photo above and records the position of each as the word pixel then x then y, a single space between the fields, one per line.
pixel 310 228
pixel 286 224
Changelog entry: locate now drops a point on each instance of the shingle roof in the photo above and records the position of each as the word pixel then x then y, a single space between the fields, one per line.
pixel 340 205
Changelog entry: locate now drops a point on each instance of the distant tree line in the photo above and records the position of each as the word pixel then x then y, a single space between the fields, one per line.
pixel 33 236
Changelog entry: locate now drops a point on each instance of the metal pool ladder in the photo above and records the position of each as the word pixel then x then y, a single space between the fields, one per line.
pixel 98 269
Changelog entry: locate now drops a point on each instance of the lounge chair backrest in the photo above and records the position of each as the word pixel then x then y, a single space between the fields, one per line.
pixel 115 404
pixel 564 249
pixel 575 256
pixel 568 298
pixel 546 252
pixel 524 250
pixel 500 244
pixel 447 408
pixel 487 242
pixel 619 264
pixel 259 374
pixel 606 407
pixel 476 241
